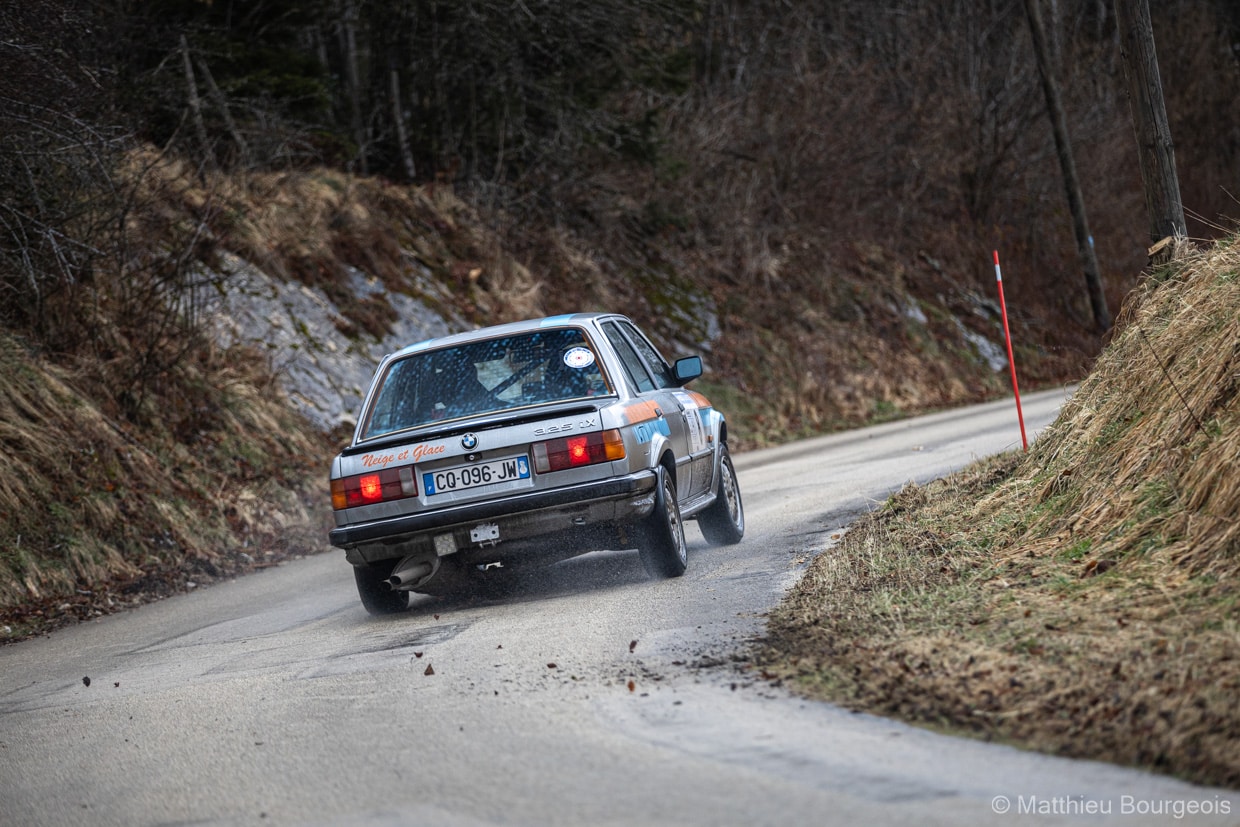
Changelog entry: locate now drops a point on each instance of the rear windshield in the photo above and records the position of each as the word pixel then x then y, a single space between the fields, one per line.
pixel 484 377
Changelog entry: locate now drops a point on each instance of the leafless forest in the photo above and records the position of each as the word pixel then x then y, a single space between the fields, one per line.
pixel 797 154
pixel 814 170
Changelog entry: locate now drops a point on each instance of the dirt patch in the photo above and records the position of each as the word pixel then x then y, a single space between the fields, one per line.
pixel 42 616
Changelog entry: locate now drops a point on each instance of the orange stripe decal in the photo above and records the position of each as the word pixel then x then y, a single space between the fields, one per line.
pixel 641 412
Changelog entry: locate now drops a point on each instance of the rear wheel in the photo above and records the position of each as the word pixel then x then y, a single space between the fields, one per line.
pixel 723 521
pixel 662 540
pixel 377 594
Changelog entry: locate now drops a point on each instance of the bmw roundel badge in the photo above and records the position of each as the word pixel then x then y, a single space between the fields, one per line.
pixel 469 442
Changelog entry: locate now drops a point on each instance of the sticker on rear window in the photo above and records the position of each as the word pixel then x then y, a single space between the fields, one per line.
pixel 579 357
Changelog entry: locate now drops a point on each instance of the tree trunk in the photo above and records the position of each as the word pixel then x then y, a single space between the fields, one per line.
pixel 1149 118
pixel 222 102
pixel 398 118
pixel 195 103
pixel 1063 147
pixel 353 79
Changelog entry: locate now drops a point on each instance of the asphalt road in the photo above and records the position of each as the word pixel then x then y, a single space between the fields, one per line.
pixel 592 696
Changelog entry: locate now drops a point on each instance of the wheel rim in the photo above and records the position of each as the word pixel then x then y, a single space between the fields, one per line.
pixel 674 524
pixel 731 495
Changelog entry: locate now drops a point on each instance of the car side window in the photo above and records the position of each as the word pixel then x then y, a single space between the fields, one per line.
pixel 662 373
pixel 632 363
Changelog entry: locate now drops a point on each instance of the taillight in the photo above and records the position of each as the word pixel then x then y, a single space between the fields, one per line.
pixel 371 488
pixel 374 487
pixel 575 451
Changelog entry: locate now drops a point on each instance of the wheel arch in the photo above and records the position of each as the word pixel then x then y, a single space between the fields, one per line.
pixel 667 460
pixel 722 443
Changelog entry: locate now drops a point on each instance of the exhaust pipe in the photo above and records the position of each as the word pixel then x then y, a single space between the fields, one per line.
pixel 411 572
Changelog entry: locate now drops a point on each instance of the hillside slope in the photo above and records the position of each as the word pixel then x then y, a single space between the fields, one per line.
pixel 1083 598
pixel 299 282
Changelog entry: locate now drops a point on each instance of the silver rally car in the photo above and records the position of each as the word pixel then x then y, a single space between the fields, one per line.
pixel 525 444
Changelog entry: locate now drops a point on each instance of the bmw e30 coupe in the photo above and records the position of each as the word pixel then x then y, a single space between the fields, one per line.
pixel 525 444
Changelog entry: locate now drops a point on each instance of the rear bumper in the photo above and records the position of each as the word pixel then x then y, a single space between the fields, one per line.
pixel 572 501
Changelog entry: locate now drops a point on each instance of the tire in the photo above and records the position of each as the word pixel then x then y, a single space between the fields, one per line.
pixel 377 595
pixel 723 521
pixel 662 539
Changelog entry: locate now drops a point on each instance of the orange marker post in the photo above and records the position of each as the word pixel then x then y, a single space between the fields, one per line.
pixel 1007 334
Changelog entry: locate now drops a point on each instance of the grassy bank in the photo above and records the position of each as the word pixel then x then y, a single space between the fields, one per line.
pixel 1081 599
pixel 101 512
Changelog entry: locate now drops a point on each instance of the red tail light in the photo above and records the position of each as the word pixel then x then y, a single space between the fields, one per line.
pixel 578 451
pixel 574 451
pixel 374 487
pixel 371 488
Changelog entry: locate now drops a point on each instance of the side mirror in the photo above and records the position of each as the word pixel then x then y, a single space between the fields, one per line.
pixel 687 369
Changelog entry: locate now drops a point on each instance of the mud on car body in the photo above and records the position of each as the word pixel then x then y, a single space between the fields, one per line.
pixel 525 444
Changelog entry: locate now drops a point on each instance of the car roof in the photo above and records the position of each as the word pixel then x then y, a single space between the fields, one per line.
pixel 509 329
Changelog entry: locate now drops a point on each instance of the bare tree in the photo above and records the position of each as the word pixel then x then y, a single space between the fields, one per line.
pixel 195 103
pixel 398 119
pixel 348 42
pixel 221 103
pixel 1067 164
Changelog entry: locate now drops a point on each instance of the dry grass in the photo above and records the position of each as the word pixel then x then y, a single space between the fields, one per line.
pixel 1145 455
pixel 98 513
pixel 312 225
pixel 1081 599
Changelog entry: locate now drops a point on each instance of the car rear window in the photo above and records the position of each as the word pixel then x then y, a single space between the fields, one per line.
pixel 485 377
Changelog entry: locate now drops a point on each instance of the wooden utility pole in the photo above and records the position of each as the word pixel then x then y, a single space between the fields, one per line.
pixel 1067 165
pixel 1149 117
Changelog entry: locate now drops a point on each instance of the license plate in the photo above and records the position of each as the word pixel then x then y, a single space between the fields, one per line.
pixel 475 475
